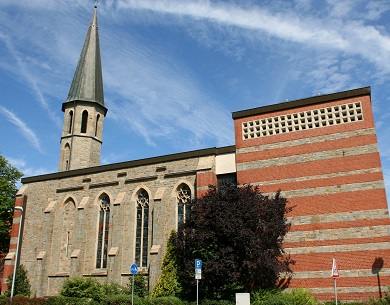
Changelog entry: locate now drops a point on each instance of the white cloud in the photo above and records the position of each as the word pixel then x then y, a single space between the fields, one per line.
pixel 375 9
pixel 162 102
pixel 328 32
pixel 24 72
pixel 27 133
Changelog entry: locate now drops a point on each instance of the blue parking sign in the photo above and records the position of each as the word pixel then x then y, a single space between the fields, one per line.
pixel 198 264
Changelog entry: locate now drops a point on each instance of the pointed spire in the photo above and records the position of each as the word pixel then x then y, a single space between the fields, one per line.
pixel 87 84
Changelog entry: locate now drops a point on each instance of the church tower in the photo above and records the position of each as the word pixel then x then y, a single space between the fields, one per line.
pixel 84 110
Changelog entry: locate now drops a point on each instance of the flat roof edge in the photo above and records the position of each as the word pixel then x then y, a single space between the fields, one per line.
pixel 302 102
pixel 128 164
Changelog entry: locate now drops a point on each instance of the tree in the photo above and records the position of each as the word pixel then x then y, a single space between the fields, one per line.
pixel 9 176
pixel 238 234
pixel 168 282
pixel 22 284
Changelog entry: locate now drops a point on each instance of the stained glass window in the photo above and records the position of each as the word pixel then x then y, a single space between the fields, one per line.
pixel 104 226
pixel 141 240
pixel 183 199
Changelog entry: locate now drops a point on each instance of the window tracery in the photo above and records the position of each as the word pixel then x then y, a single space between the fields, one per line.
pixel 141 240
pixel 183 198
pixel 104 226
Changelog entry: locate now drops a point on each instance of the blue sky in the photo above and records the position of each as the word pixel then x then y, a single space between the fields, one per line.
pixel 174 71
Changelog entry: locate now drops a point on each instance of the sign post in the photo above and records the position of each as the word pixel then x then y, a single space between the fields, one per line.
pixel 335 275
pixel 133 270
pixel 198 276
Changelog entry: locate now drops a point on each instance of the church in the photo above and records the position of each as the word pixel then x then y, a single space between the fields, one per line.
pixel 92 220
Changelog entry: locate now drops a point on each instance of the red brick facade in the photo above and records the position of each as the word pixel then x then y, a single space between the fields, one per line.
pixel 332 177
pixel 20 201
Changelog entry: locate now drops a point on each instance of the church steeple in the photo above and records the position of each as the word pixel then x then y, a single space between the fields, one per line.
pixel 84 108
pixel 87 84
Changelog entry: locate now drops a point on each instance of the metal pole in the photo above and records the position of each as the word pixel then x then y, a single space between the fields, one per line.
pixel 132 292
pixel 197 292
pixel 17 252
pixel 335 290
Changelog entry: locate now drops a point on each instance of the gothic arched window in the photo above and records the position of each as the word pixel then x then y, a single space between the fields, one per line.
pixel 97 124
pixel 84 121
pixel 104 225
pixel 70 121
pixel 67 234
pixel 66 156
pixel 183 197
pixel 141 239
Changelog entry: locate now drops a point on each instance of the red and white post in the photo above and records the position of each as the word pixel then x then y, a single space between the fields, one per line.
pixel 335 275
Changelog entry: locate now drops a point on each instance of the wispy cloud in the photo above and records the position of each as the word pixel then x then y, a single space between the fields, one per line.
pixel 28 77
pixel 161 100
pixel 327 32
pixel 27 133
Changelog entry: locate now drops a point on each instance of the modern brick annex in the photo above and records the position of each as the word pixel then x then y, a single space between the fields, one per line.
pixel 91 220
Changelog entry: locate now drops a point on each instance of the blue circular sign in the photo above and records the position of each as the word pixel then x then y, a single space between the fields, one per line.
pixel 134 269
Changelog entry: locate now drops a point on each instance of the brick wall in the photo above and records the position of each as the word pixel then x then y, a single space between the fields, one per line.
pixel 332 177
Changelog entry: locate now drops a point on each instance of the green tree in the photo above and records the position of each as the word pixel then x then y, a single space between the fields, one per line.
pixel 168 282
pixel 22 284
pixel 9 176
pixel 237 232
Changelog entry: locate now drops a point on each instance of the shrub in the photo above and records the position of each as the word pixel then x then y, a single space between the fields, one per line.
pixel 22 285
pixel 260 296
pixel 62 300
pixel 83 288
pixel 168 282
pixel 217 302
pixel 22 300
pixel 140 285
pixel 170 300
pixel 374 301
pixel 387 295
pixel 4 300
pixel 277 297
pixel 111 289
pixel 122 299
pixel 301 297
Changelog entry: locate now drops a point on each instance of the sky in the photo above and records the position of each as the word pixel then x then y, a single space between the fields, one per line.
pixel 174 71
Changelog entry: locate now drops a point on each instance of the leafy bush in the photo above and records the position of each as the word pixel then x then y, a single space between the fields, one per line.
pixel 122 299
pixel 4 300
pixel 301 297
pixel 277 297
pixel 22 300
pixel 166 301
pixel 217 302
pixel 262 295
pixel 62 300
pixel 140 285
pixel 111 289
pixel 83 288
pixel 374 301
pixel 387 295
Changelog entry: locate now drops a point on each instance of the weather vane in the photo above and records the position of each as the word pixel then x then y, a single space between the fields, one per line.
pixel 96 2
